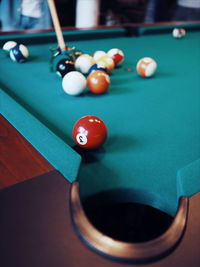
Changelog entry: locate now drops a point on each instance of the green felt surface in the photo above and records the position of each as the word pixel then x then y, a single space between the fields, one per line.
pixel 187 179
pixel 153 124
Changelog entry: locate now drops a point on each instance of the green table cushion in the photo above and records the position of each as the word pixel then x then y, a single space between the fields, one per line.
pixel 57 152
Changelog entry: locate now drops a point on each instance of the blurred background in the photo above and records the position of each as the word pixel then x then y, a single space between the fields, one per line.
pixel 92 13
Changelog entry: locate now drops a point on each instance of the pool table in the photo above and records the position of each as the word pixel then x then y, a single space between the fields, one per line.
pixel 152 154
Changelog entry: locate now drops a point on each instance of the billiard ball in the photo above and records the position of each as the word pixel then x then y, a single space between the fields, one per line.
pixel 64 66
pixel 89 132
pixel 178 32
pixel 83 63
pixel 146 67
pixel 8 45
pixel 107 62
pixel 98 82
pixel 117 55
pixel 74 83
pixel 97 67
pixel 97 54
pixel 19 53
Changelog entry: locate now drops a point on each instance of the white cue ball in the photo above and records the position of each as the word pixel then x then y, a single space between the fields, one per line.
pixel 9 45
pixel 83 63
pixel 74 83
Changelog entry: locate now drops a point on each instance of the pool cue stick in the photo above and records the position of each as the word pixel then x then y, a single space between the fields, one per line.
pixel 57 27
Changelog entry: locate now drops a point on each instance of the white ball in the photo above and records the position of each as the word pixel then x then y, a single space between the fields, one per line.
pixel 9 45
pixel 83 63
pixel 19 53
pixel 98 54
pixel 178 32
pixel 74 83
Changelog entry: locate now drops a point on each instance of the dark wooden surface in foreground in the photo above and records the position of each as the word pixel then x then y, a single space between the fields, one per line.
pixel 36 230
pixel 19 161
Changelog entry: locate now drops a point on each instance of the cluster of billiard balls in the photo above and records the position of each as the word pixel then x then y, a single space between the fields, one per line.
pixel 88 71
pixel 18 52
pixel 89 132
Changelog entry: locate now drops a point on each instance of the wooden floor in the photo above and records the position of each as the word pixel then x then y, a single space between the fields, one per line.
pixel 19 161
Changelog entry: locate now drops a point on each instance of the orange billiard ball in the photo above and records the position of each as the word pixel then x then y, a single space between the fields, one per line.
pixel 146 67
pixel 98 82
pixel 89 132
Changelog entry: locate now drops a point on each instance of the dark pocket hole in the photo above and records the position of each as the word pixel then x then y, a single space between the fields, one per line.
pixel 125 221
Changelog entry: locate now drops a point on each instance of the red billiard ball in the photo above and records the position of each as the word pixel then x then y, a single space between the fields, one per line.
pixel 117 55
pixel 98 82
pixel 89 132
